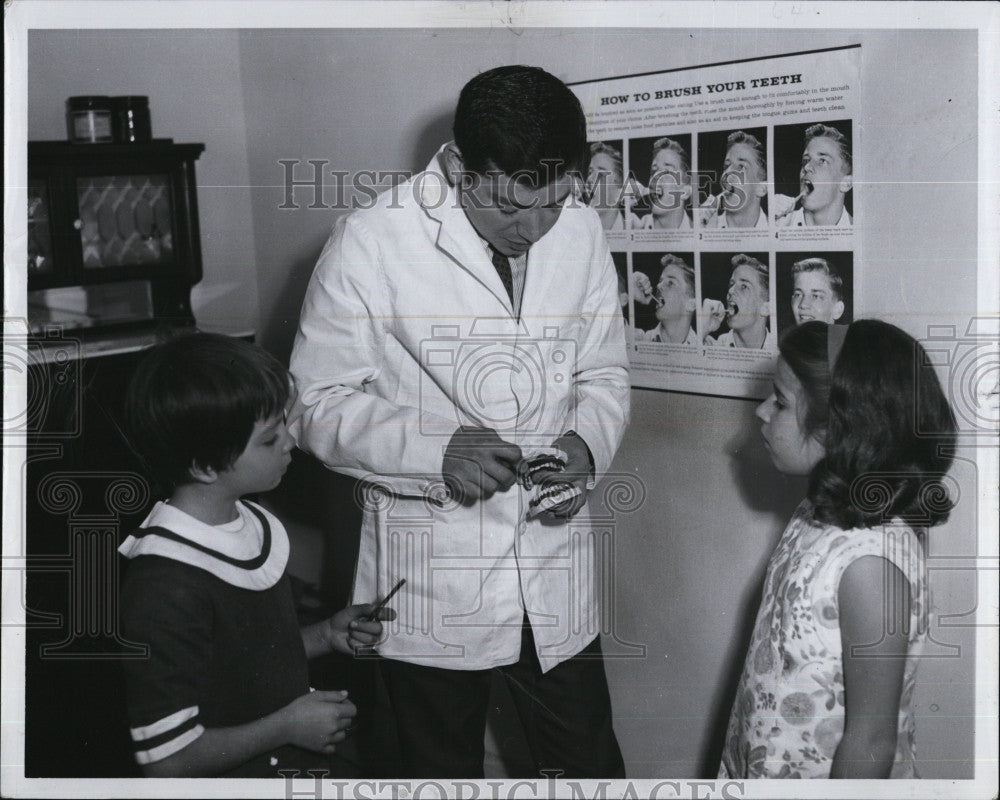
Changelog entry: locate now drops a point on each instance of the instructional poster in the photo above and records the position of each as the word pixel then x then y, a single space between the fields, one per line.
pixel 727 195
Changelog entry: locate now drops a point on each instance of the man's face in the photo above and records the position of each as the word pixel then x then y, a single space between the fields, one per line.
pixel 742 178
pixel 604 181
pixel 746 300
pixel 511 215
pixel 669 186
pixel 813 298
pixel 823 178
pixel 674 294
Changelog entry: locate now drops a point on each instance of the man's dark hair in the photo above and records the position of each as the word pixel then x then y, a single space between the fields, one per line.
pixel 520 120
pixel 194 400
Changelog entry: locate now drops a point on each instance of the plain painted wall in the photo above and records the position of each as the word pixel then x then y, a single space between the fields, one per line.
pixel 690 558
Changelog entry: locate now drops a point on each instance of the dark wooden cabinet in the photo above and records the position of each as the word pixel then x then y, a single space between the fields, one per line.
pixel 113 235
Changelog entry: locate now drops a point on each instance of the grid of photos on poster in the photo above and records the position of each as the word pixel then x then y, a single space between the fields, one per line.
pixel 727 196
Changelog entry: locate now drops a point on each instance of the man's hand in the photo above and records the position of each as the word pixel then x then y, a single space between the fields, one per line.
pixel 478 464
pixel 579 470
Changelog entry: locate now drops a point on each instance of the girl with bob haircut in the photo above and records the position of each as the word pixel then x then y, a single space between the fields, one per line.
pixel 195 400
pixel 224 687
pixel 826 689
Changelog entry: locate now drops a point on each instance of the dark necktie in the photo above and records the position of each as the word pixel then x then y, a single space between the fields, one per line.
pixel 502 265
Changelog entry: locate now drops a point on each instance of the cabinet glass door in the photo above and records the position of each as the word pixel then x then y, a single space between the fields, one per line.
pixel 39 229
pixel 125 220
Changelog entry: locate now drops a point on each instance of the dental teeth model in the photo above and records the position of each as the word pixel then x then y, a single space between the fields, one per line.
pixel 550 496
pixel 539 460
pixel 537 464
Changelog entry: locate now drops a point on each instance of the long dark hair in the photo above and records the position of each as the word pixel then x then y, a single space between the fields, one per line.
pixel 885 423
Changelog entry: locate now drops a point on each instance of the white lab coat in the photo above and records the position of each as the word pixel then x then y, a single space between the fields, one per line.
pixel 406 333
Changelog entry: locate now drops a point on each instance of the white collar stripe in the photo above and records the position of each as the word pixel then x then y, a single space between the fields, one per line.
pixel 251 558
pixel 247 563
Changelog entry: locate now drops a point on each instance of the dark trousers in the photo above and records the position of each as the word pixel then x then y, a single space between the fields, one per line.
pixel 566 713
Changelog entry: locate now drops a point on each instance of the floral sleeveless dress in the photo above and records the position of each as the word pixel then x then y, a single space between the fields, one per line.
pixel 788 716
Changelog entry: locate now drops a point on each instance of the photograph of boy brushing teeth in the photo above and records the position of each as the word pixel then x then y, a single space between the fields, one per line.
pixel 824 176
pixel 741 319
pixel 667 200
pixel 736 195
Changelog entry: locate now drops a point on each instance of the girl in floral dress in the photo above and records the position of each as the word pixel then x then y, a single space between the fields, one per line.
pixel 826 690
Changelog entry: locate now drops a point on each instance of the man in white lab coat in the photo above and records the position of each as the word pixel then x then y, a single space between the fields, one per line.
pixel 466 319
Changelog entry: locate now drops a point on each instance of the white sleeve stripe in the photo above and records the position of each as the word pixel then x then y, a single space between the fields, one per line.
pixel 166 724
pixel 169 748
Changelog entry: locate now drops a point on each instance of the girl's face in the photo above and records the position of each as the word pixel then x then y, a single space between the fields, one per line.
pixel 263 461
pixel 793 451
